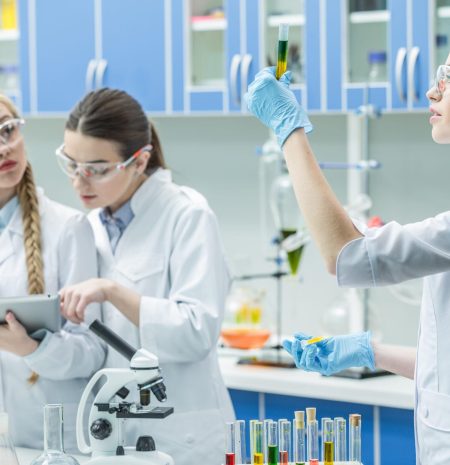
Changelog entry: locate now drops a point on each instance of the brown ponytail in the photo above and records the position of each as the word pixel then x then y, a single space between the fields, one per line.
pixel 114 115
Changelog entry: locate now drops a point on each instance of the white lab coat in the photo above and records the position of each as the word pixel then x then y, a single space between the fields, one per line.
pixel 395 253
pixel 63 360
pixel 171 254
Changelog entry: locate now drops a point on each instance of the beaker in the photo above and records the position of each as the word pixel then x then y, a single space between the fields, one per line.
pixel 7 451
pixel 54 439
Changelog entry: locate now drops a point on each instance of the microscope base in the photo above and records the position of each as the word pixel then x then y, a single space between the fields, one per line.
pixel 144 458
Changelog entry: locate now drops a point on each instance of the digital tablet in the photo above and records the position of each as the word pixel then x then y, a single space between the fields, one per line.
pixel 39 311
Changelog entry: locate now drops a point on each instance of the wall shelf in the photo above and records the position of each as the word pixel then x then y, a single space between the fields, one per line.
pixel 206 23
pixel 9 34
pixel 364 17
pixel 292 20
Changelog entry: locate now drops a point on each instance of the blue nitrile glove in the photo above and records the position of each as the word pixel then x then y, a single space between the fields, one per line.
pixel 333 354
pixel 275 105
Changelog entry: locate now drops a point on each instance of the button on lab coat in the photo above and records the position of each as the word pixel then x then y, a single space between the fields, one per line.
pixel 392 254
pixel 171 254
pixel 63 360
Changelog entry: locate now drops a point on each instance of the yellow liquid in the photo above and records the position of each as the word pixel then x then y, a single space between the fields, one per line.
pixel 258 458
pixel 282 58
pixel 8 14
pixel 328 453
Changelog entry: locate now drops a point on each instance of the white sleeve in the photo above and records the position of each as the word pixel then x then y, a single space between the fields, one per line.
pixel 184 327
pixel 73 352
pixel 394 253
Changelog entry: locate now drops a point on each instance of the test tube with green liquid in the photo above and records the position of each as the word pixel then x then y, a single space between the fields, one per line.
pixel 283 32
pixel 272 444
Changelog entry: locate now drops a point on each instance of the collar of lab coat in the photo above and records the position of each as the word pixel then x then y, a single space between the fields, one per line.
pixel 150 189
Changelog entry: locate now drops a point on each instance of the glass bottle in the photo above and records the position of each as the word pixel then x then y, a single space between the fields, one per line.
pixel 53 439
pixel 377 66
pixel 7 451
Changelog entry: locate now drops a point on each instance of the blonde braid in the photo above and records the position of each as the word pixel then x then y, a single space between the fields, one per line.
pixel 31 221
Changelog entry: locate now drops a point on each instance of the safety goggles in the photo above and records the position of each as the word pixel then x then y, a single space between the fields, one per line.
pixel 10 131
pixel 97 172
pixel 442 78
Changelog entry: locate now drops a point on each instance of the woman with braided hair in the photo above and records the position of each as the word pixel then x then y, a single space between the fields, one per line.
pixel 44 246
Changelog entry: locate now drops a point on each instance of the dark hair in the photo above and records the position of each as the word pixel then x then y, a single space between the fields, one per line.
pixel 114 115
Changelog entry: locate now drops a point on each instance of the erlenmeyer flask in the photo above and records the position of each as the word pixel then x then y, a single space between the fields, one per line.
pixel 7 451
pixel 53 439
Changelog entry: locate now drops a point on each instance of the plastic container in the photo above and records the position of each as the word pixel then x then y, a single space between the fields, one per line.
pixel 377 66
pixel 7 452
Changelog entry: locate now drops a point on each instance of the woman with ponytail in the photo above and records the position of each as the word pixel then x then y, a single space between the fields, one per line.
pixel 163 274
pixel 43 246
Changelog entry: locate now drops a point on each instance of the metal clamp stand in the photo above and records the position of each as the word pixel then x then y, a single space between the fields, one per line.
pixel 278 360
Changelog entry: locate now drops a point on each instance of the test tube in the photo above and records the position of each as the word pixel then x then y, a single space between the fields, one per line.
pixel 272 444
pixel 266 426
pixel 340 439
pixel 256 431
pixel 299 438
pixel 327 438
pixel 230 453
pixel 241 453
pixel 283 32
pixel 355 438
pixel 312 432
pixel 252 440
pixel 322 449
pixel 285 443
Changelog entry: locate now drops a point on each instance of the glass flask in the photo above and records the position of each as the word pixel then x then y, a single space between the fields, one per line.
pixel 286 215
pixel 53 439
pixel 7 451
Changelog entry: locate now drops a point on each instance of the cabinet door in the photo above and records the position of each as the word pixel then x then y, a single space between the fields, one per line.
pixel 134 50
pixel 56 47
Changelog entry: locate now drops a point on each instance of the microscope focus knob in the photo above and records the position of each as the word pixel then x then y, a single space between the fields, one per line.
pixel 145 444
pixel 101 429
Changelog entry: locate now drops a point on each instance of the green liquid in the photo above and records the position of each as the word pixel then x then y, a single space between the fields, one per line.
pixel 273 455
pixel 295 255
pixel 282 58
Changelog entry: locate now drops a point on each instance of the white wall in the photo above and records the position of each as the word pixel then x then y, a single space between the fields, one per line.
pixel 217 157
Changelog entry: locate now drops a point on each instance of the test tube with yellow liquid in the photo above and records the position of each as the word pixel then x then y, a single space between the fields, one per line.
pixel 283 32
pixel 256 442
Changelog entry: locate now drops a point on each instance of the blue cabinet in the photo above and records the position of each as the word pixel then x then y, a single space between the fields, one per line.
pixel 57 45
pixel 133 58
pixel 387 433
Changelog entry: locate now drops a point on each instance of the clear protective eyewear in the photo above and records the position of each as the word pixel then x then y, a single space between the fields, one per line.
pixel 10 131
pixel 98 172
pixel 442 78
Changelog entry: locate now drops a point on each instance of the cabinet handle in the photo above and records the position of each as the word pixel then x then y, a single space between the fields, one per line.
pixel 412 63
pixel 245 68
pixel 101 68
pixel 90 71
pixel 399 63
pixel 234 69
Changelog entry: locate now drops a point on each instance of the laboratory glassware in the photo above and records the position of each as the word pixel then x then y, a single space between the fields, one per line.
pixel 312 431
pixel 285 442
pixel 299 437
pixel 377 66
pixel 54 439
pixel 230 452
pixel 283 32
pixel 256 441
pixel 328 444
pixel 272 444
pixel 241 453
pixel 7 451
pixel 354 453
pixel 322 424
pixel 340 439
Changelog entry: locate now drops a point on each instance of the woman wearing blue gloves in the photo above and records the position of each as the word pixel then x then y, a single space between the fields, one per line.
pixel 373 257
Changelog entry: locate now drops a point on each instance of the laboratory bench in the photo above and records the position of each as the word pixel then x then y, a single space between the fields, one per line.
pixel 386 404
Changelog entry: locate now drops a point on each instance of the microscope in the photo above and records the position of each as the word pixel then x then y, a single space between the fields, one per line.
pixel 110 409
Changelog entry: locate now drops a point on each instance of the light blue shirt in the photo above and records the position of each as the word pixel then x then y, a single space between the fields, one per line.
pixel 116 223
pixel 7 212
